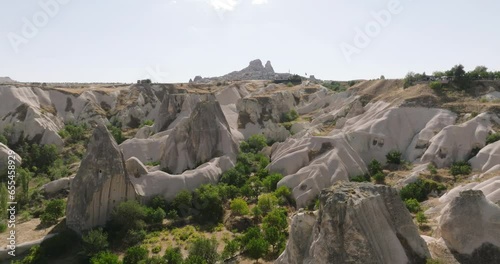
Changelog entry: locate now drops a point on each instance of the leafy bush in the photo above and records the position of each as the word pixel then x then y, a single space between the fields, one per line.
pixel 421 218
pixel 38 158
pixel 413 205
pixel 284 194
pixel 239 207
pixel 233 177
pixel 34 256
pixel 271 181
pixel 208 202
pixel 53 210
pixel 129 215
pixel 117 134
pixel 94 242
pixel 230 249
pixel 147 123
pixel 267 202
pixel 134 237
pixel 361 178
pixel 173 256
pixel 257 248
pixel 436 85
pixel 432 169
pixel 492 138
pixel 379 178
pixel 105 257
pixel 182 203
pixel 374 167
pixel 460 168
pixel 156 249
pixel 420 189
pixel 74 133
pixel 3 227
pixel 206 249
pixel 158 202
pixel 253 144
pixel 394 157
pixel 155 216
pixel 290 116
pixel 135 254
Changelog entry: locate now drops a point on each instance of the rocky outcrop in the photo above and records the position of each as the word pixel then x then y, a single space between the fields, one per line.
pixel 488 158
pixel 204 135
pixel 470 226
pixel 100 184
pixel 356 222
pixel 5 152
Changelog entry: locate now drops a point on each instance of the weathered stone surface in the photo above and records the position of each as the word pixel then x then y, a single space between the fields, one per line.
pixel 205 135
pixel 100 185
pixel 356 223
pixel 470 225
pixel 5 152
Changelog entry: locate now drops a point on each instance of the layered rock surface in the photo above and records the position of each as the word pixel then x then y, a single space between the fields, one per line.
pixel 101 183
pixel 356 223
pixel 204 135
pixel 470 226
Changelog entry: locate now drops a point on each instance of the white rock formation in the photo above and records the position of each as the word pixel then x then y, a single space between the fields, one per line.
pixel 488 158
pixel 470 223
pixel 5 152
pixel 356 223
pixel 100 185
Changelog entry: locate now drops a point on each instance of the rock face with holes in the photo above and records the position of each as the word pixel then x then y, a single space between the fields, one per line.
pixel 470 226
pixel 201 137
pixel 356 223
pixel 101 183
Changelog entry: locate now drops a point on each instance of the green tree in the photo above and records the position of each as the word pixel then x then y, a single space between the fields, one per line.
pixel 4 197
pixel 254 144
pixel 233 177
pixel 135 254
pixel 183 203
pixel 24 176
pixel 53 210
pixel 267 202
pixel 94 241
pixel 129 215
pixel 173 256
pixel 271 181
pixel 208 203
pixel 257 248
pixel 117 134
pixel 421 218
pixel 276 218
pixel 230 249
pixel 155 216
pixel 239 207
pixel 206 249
pixel 413 205
pixel 273 236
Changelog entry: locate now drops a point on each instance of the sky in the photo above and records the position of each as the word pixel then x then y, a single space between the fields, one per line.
pixel 175 40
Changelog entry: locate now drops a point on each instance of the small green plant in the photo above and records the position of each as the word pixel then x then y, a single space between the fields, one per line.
pixel 156 249
pixel 173 256
pixel 289 84
pixel 421 218
pixel 436 85
pixel 394 157
pixel 379 178
pixel 105 258
pixel 361 178
pixel 239 207
pixel 413 205
pixel 492 138
pixel 290 116
pixel 206 249
pixel 420 189
pixel 432 169
pixel 267 202
pixel 230 249
pixel 94 242
pixel 374 167
pixel 253 144
pixel 460 168
pixel 147 123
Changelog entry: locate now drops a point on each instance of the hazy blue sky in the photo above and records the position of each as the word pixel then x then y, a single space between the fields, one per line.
pixel 123 40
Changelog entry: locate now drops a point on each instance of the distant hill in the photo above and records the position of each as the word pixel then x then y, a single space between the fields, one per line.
pixel 6 80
